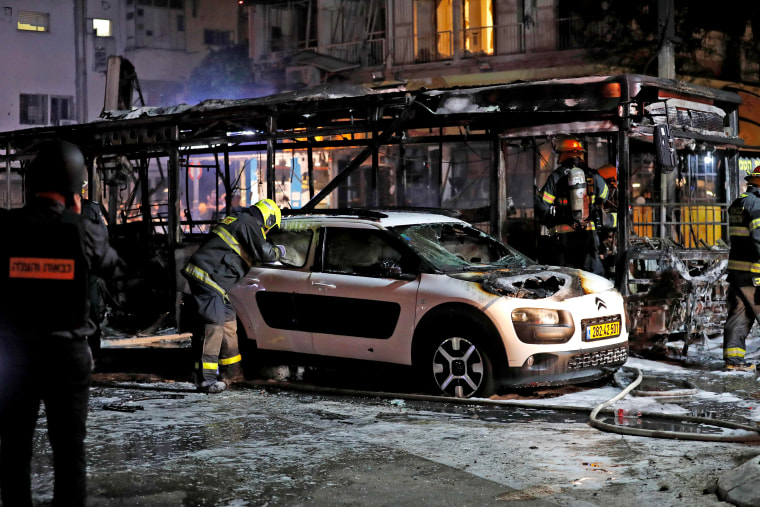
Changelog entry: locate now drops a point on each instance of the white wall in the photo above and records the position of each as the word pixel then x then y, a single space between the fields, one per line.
pixel 35 62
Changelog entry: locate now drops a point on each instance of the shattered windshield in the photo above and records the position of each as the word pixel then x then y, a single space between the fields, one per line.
pixel 455 247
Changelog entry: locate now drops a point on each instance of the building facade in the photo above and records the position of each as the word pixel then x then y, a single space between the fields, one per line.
pixel 56 52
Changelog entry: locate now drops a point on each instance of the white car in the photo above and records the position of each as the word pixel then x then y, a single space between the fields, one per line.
pixel 469 314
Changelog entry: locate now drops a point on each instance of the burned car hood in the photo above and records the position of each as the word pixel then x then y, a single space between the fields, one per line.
pixel 538 282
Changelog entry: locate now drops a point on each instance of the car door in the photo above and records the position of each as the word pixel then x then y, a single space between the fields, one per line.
pixel 268 299
pixel 362 305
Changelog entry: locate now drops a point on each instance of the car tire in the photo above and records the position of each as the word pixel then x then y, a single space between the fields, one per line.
pixel 456 363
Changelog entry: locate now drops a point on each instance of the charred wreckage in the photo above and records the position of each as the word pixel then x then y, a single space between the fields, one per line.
pixel 164 175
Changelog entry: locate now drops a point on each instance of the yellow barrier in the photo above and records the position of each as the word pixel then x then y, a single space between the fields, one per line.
pixel 643 214
pixel 700 223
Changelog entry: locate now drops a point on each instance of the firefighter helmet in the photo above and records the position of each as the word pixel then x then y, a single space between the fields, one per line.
pixel 569 147
pixel 270 212
pixel 609 173
pixel 58 167
pixel 754 176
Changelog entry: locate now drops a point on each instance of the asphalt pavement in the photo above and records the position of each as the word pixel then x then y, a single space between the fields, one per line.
pixel 153 440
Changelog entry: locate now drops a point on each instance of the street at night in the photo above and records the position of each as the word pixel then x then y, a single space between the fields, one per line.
pixel 305 436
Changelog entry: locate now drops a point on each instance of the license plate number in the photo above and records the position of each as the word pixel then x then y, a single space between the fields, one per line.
pixel 607 330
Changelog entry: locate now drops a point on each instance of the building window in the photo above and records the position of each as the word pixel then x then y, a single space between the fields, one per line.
pixel 102 27
pixel 217 37
pixel 180 23
pixel 33 109
pixel 61 109
pixel 176 4
pixel 34 21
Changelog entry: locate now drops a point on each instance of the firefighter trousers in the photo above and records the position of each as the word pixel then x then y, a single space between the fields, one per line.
pixel 215 339
pixel 743 305
pixel 55 371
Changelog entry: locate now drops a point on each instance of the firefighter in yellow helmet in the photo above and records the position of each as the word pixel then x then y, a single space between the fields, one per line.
pixel 743 296
pixel 233 246
pixel 569 205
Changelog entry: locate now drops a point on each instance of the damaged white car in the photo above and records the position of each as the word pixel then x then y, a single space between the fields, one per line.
pixel 467 313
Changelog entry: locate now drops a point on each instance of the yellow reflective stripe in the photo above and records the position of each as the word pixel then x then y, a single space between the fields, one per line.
pixel 548 198
pixel 231 360
pixel 754 224
pixel 210 366
pixel 233 243
pixel 603 195
pixel 752 267
pixel 591 226
pixel 738 231
pixel 614 219
pixel 203 277
pixel 734 352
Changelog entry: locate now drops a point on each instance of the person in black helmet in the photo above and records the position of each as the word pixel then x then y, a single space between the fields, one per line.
pixel 47 254
pixel 743 296
pixel 234 245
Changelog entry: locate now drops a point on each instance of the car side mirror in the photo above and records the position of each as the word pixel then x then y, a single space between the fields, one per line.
pixel 392 269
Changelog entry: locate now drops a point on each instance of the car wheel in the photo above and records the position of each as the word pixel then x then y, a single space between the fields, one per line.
pixel 460 367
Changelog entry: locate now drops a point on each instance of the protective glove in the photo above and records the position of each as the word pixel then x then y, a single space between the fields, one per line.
pixel 280 249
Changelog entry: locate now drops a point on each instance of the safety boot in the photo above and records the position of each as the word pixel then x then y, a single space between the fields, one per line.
pixel 743 366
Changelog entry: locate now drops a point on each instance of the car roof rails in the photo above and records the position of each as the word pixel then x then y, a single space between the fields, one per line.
pixel 356 212
pixel 414 209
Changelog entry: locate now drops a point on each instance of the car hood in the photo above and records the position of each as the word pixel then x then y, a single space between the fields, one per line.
pixel 538 282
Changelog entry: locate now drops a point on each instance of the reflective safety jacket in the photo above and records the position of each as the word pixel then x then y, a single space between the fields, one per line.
pixel 744 229
pixel 46 257
pixel 233 246
pixel 554 204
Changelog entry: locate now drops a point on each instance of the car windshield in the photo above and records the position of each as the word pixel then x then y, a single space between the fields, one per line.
pixel 456 247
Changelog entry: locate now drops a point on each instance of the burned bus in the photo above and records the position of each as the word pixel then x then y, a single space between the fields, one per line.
pixel 164 175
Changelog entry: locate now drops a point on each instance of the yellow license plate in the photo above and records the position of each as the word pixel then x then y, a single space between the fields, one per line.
pixel 607 330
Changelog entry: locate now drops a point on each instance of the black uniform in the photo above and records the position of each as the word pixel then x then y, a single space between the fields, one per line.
pixel 234 245
pixel 46 257
pixel 574 243
pixel 91 210
pixel 743 273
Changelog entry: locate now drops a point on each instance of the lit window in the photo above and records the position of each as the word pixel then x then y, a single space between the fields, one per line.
pixel 33 109
pixel 102 27
pixel 34 21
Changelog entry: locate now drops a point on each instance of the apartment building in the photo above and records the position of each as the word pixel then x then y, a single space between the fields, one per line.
pixel 307 42
pixel 56 52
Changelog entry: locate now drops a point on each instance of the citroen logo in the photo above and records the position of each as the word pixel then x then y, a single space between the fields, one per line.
pixel 600 304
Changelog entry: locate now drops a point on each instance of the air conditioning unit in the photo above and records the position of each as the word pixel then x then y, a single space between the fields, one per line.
pixel 62 123
pixel 302 76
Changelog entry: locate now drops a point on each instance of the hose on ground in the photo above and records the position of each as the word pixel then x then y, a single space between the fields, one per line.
pixel 593 418
pixel 676 435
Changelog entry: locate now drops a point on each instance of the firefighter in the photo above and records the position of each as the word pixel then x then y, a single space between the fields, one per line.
pixel 91 209
pixel 569 206
pixel 743 273
pixel 48 252
pixel 607 243
pixel 234 245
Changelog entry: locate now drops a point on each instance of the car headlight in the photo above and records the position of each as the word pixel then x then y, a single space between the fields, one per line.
pixel 542 325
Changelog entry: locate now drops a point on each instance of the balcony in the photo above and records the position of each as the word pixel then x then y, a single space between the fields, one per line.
pixel 499 40
pixel 518 38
